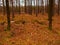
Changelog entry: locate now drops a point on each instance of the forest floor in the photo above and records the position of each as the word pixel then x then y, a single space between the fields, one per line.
pixel 30 30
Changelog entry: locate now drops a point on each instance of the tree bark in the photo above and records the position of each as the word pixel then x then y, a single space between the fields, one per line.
pixel 42 8
pixel 25 7
pixel 19 7
pixel 30 7
pixel 36 11
pixel 58 7
pixel 8 14
pixel 16 5
pixel 3 7
pixel 50 14
pixel 12 10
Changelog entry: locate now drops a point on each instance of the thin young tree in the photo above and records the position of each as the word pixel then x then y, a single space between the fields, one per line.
pixel 46 6
pixel 36 11
pixel 42 4
pixel 58 7
pixel 19 7
pixel 34 5
pixel 50 14
pixel 30 7
pixel 54 7
pixel 3 7
pixel 12 10
pixel 16 5
pixel 38 6
pixel 8 14
pixel 25 7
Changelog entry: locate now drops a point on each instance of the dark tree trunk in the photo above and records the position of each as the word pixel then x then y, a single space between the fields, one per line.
pixel 36 11
pixel 58 7
pixel 30 7
pixel 50 14
pixel 25 7
pixel 34 6
pixel 16 6
pixel 8 14
pixel 46 7
pixel 19 7
pixel 42 8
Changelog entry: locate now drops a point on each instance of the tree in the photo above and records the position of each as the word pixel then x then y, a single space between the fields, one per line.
pixel 36 11
pixel 19 7
pixel 30 7
pixel 42 8
pixel 38 6
pixel 3 7
pixel 47 6
pixel 50 14
pixel 8 14
pixel 34 6
pixel 16 5
pixel 58 7
pixel 25 7
pixel 12 10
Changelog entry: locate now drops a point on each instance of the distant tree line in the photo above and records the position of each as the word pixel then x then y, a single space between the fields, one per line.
pixel 37 8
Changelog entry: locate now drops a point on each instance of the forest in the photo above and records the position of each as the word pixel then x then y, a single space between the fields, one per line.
pixel 29 22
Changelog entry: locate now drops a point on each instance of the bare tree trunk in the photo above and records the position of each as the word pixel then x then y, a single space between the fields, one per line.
pixel 50 14
pixel 12 10
pixel 38 6
pixel 3 7
pixel 34 6
pixel 30 7
pixel 42 4
pixel 16 6
pixel 58 7
pixel 19 7
pixel 36 11
pixel 25 7
pixel 54 7
pixel 47 6
pixel 8 14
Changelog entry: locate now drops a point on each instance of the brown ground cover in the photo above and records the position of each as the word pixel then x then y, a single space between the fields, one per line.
pixel 30 30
